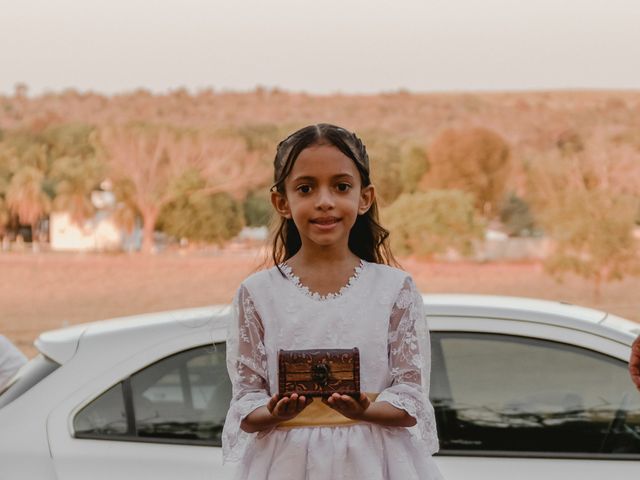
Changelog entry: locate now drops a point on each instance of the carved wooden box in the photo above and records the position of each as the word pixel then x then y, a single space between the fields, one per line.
pixel 319 373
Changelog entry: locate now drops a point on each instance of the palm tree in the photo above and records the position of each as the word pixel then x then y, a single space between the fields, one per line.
pixel 76 178
pixel 26 198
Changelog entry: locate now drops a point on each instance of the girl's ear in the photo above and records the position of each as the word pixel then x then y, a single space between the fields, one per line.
pixel 281 204
pixel 367 196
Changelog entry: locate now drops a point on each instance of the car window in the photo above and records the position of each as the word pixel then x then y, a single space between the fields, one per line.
pixel 105 416
pixel 183 397
pixel 27 377
pixel 180 399
pixel 520 395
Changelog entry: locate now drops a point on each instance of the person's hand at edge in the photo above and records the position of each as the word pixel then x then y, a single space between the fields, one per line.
pixel 634 363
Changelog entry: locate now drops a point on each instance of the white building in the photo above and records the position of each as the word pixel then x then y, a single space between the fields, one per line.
pixel 98 234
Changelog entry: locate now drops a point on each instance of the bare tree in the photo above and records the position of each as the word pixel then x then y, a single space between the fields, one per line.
pixel 150 157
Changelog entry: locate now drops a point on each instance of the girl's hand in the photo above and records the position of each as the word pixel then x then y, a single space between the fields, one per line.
pixel 287 408
pixel 350 407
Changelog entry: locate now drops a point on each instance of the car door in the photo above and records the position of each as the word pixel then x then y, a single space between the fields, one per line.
pixel 163 421
pixel 528 401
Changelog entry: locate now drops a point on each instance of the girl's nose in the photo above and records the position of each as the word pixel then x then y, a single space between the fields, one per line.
pixel 324 199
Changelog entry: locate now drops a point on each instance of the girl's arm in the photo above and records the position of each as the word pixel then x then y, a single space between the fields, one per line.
pixel 247 367
pixel 382 413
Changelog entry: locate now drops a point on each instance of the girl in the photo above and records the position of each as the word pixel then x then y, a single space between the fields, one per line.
pixel 331 287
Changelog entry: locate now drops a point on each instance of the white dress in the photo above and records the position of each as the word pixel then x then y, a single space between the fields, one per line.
pixel 379 311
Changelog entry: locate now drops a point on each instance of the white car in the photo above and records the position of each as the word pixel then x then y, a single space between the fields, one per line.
pixel 523 389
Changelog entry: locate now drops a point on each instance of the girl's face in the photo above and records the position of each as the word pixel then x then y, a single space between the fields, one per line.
pixel 323 195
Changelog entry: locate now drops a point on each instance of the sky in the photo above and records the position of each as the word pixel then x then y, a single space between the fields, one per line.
pixel 328 46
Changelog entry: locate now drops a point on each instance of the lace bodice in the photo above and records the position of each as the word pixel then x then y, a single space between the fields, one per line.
pixel 380 311
pixel 286 269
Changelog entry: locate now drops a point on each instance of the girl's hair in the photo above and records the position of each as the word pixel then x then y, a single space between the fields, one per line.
pixel 367 239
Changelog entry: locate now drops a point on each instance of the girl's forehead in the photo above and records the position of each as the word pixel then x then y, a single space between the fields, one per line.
pixel 323 160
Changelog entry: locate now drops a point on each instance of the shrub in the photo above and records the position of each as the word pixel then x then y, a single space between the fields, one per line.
pixel 200 216
pixel 430 223
pixel 474 160
pixel 413 166
pixel 569 141
pixel 257 208
pixel 516 216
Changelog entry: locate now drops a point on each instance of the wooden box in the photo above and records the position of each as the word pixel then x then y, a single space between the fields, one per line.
pixel 319 373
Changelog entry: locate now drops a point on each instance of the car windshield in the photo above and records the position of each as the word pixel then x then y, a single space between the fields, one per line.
pixel 28 376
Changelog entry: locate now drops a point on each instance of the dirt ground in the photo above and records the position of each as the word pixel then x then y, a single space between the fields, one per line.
pixel 39 292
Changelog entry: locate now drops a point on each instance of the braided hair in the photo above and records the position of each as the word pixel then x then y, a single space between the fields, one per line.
pixel 367 239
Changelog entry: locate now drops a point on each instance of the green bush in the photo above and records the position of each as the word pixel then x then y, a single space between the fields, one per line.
pixel 430 223
pixel 257 208
pixel 413 166
pixel 199 216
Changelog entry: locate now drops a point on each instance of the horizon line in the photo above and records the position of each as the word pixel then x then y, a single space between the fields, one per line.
pixel 195 91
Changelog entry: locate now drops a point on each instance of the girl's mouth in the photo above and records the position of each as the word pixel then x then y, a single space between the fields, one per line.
pixel 325 223
pixel 325 220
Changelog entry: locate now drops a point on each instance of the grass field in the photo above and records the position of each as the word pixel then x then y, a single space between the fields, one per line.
pixel 39 292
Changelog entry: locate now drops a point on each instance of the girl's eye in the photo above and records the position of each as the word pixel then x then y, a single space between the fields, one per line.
pixel 304 188
pixel 343 187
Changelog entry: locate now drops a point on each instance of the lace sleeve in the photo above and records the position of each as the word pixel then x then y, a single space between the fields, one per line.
pixel 409 351
pixel 247 366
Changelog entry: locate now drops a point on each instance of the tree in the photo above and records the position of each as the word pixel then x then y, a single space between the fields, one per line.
pixel 587 205
pixel 5 177
pixel 58 161
pixel 126 213
pixel 4 216
pixel 385 157
pixel 430 223
pixel 8 164
pixel 26 197
pixel 20 90
pixel 475 160
pixel 75 178
pixel 595 239
pixel 150 157
pixel 199 216
pixel 262 137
